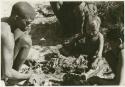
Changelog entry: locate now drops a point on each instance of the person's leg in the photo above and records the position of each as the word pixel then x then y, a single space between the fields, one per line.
pixel 22 48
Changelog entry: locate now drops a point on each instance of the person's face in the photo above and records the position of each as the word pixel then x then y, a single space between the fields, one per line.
pixel 22 23
pixel 93 29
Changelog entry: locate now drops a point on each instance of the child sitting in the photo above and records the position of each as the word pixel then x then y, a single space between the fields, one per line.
pixel 92 42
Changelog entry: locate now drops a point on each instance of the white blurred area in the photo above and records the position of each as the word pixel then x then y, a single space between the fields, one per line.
pixel 6 5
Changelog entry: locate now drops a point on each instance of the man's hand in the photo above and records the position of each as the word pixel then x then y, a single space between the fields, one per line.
pixel 33 80
pixel 37 80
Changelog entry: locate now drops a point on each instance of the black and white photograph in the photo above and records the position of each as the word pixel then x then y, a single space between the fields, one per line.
pixel 62 43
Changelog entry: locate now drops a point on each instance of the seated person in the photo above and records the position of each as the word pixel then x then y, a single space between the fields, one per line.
pixel 115 58
pixel 93 39
pixel 16 41
pixel 91 43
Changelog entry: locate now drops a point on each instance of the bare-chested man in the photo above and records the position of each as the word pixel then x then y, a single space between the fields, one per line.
pixel 16 41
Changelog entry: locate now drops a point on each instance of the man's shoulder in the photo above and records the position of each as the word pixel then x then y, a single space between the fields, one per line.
pixel 5 27
pixel 4 19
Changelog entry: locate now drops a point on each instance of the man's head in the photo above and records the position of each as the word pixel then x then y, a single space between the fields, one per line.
pixel 93 25
pixel 23 13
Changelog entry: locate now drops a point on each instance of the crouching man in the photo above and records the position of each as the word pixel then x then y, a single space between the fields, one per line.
pixel 16 41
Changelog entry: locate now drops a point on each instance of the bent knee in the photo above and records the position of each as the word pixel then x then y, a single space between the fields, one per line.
pixel 25 41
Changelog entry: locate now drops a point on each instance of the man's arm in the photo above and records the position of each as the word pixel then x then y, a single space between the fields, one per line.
pixel 7 40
